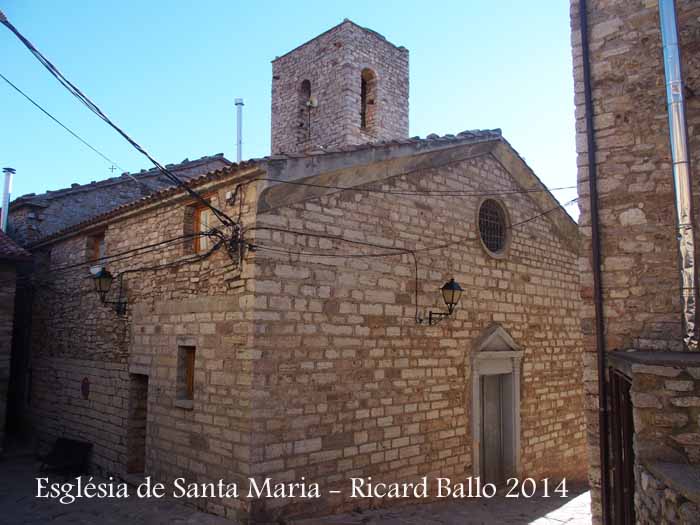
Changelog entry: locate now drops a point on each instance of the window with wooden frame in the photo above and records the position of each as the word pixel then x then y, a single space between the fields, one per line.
pixel 202 223
pixel 185 372
pixel 96 247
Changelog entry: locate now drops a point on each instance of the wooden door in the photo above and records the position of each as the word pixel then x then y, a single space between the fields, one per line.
pixel 622 434
pixel 497 439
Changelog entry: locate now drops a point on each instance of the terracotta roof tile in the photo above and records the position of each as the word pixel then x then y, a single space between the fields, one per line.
pixel 42 199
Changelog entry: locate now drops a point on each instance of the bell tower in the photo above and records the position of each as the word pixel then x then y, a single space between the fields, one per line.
pixel 348 86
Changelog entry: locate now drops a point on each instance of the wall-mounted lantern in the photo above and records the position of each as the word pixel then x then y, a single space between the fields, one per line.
pixel 451 293
pixel 103 282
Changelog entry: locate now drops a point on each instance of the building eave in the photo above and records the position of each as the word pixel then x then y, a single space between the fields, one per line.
pixel 153 200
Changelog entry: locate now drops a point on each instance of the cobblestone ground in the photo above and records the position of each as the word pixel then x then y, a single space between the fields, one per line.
pixel 18 506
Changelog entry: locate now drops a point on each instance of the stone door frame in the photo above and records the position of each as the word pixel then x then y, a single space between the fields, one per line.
pixel 495 352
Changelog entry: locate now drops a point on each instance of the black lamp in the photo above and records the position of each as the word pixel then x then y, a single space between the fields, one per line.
pixel 103 280
pixel 451 294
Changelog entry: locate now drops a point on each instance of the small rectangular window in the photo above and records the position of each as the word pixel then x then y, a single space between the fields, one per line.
pixel 185 372
pixel 203 222
pixel 96 247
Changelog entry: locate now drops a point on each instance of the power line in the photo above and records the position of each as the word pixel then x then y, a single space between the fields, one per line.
pixel 221 215
pixel 439 193
pixel 77 93
pixel 134 252
pixel 38 106
pixel 144 250
pixel 225 219
pixel 139 251
pixel 150 248
pixel 25 281
pixel 396 251
pixel 178 262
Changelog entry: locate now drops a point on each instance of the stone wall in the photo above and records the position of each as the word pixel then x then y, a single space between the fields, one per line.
pixel 199 303
pixel 636 205
pixel 351 386
pixel 7 309
pixel 333 63
pixel 663 500
pixel 666 402
pixel 23 224
pixel 666 409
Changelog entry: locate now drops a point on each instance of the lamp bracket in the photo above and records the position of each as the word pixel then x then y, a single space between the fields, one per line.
pixel 119 306
pixel 436 317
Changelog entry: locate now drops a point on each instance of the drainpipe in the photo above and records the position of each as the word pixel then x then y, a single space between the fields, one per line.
pixel 239 129
pixel 6 197
pixel 678 137
pixel 597 274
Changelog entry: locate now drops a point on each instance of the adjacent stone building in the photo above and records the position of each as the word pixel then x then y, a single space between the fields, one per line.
pixel 296 339
pixel 653 382
pixel 11 255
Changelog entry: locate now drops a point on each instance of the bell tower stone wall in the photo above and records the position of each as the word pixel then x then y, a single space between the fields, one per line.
pixel 346 87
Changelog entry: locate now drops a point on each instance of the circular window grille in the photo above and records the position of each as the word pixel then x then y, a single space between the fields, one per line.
pixel 493 226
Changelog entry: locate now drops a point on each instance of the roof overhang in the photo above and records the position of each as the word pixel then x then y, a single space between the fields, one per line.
pixel 175 194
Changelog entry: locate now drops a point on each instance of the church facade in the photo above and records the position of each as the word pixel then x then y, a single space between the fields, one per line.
pixel 310 339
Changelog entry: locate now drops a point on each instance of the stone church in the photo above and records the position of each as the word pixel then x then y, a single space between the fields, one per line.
pixel 328 338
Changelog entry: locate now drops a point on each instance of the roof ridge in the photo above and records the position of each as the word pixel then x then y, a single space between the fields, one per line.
pixel 75 187
pixel 345 21
pixel 431 138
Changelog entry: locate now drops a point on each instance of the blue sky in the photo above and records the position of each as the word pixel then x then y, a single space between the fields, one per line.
pixel 168 73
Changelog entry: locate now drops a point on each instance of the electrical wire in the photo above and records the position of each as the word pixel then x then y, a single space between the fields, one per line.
pixel 220 215
pixel 396 251
pixel 77 93
pixel 439 193
pixel 225 219
pixel 257 246
pixel 75 135
pixel 34 280
pixel 319 235
pixel 195 258
pixel 150 248
pixel 130 253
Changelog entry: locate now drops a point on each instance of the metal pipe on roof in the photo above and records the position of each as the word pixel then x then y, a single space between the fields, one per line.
pixel 239 130
pixel 9 172
pixel 678 136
